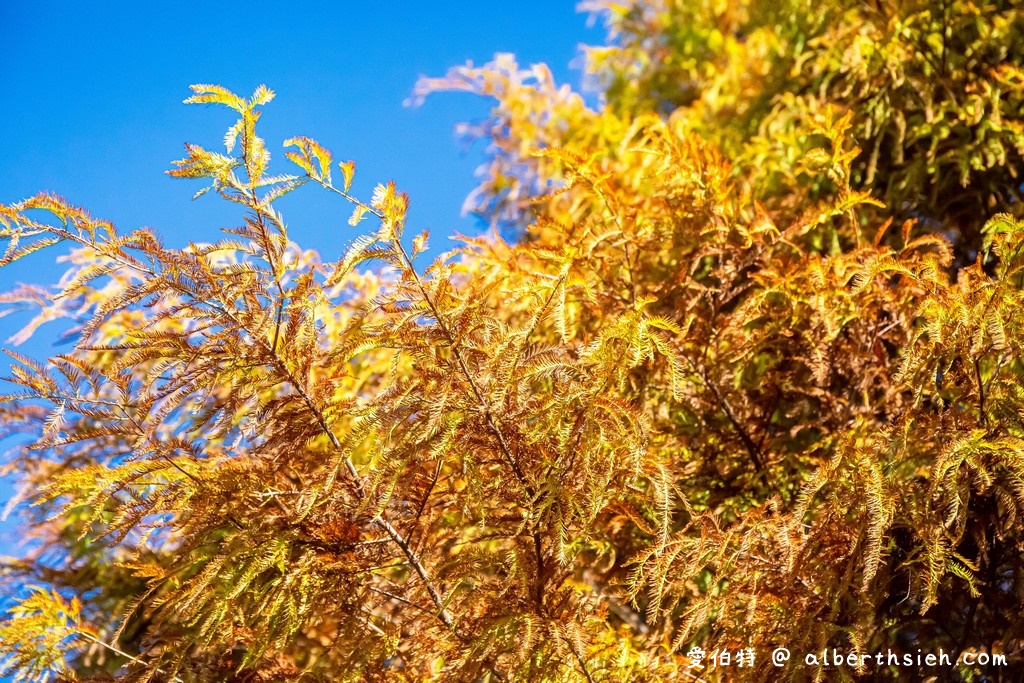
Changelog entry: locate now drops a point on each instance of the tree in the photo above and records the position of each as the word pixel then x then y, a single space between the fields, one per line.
pixel 734 384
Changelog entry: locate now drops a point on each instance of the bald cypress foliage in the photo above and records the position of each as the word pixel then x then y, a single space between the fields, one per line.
pixel 748 375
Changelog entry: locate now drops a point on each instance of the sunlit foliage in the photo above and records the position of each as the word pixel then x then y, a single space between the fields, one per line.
pixel 748 375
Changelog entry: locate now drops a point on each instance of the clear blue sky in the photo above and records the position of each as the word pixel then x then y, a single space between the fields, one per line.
pixel 90 107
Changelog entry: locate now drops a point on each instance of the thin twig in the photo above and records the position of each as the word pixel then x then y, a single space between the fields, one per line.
pixel 118 651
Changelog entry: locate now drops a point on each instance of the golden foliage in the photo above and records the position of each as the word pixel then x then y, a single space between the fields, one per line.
pixel 680 411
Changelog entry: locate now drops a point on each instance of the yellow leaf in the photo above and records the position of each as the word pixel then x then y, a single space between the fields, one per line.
pixel 216 94
pixel 348 169
pixel 357 215
pixel 419 243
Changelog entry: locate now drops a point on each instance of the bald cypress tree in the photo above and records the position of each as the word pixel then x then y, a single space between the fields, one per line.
pixel 743 373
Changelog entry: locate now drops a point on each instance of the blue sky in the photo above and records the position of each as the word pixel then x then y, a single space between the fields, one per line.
pixel 90 108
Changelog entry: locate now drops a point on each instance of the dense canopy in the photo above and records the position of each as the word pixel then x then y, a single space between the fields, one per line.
pixel 740 369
